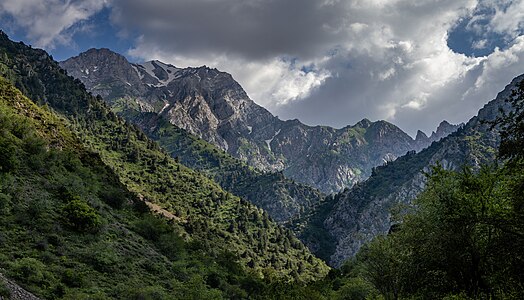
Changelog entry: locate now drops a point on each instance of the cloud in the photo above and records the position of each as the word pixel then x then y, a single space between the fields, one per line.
pixel 253 29
pixel 329 62
pixel 376 59
pixel 49 23
pixel 508 17
pixel 480 44
pixel 274 81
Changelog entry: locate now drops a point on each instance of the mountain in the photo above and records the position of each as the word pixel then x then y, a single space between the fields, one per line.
pixel 92 207
pixel 443 130
pixel 213 106
pixel 281 197
pixel 342 224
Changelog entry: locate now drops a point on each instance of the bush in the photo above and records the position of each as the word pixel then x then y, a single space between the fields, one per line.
pixel 162 234
pixel 356 288
pixel 113 197
pixel 80 216
pixel 102 257
pixel 31 271
pixel 5 203
pixel 152 227
pixel 4 290
pixel 73 278
pixel 145 293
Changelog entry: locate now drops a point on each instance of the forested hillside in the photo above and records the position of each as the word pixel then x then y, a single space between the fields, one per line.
pixel 281 197
pixel 355 216
pixel 215 223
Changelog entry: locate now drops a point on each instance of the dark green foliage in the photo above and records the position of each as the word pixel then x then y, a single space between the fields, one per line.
pixel 4 291
pixel 463 238
pixel 113 197
pixel 266 190
pixel 162 234
pixel 311 228
pixel 512 125
pixel 80 216
pixel 76 171
pixel 30 270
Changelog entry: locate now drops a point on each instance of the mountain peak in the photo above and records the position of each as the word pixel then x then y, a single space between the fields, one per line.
pixel 444 125
pixel 364 123
pixel 102 56
pixel 101 52
pixel 421 136
pixel 102 68
pixel 443 130
pixel 159 62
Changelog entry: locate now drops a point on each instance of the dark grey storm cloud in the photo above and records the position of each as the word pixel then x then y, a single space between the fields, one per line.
pixel 252 29
pixel 329 62
pixel 333 62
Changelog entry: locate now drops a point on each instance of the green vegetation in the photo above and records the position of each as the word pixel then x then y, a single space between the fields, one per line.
pixel 77 183
pixel 512 126
pixel 74 182
pixel 80 216
pixel 311 228
pixel 62 237
pixel 4 291
pixel 281 197
pixel 462 239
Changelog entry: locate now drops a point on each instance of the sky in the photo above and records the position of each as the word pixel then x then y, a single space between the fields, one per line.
pixel 325 62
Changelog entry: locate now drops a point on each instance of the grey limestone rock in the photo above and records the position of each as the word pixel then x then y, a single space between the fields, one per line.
pixel 213 106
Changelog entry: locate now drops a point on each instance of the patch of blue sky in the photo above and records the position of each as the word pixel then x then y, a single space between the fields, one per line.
pixel 473 36
pixel 97 32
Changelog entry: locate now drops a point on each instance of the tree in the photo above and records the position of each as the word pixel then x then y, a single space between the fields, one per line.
pixel 80 216
pixel 512 125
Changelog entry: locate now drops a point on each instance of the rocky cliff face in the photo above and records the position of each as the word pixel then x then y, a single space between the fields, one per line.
pixel 212 105
pixel 443 130
pixel 359 214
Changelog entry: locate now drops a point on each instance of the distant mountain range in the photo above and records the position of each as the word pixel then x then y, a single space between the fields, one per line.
pixel 339 226
pixel 211 105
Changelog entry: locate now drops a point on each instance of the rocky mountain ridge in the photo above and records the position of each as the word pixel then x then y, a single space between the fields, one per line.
pixel 355 216
pixel 213 106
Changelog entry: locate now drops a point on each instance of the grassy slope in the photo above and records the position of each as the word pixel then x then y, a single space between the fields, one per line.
pixel 43 168
pixel 212 218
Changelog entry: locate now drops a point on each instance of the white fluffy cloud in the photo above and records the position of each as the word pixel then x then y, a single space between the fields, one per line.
pixel 376 59
pixel 508 18
pixel 48 23
pixel 329 62
pixel 274 82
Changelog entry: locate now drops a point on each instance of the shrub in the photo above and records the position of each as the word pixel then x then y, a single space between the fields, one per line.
pixel 4 290
pixel 80 216
pixel 113 197
pixel 31 271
